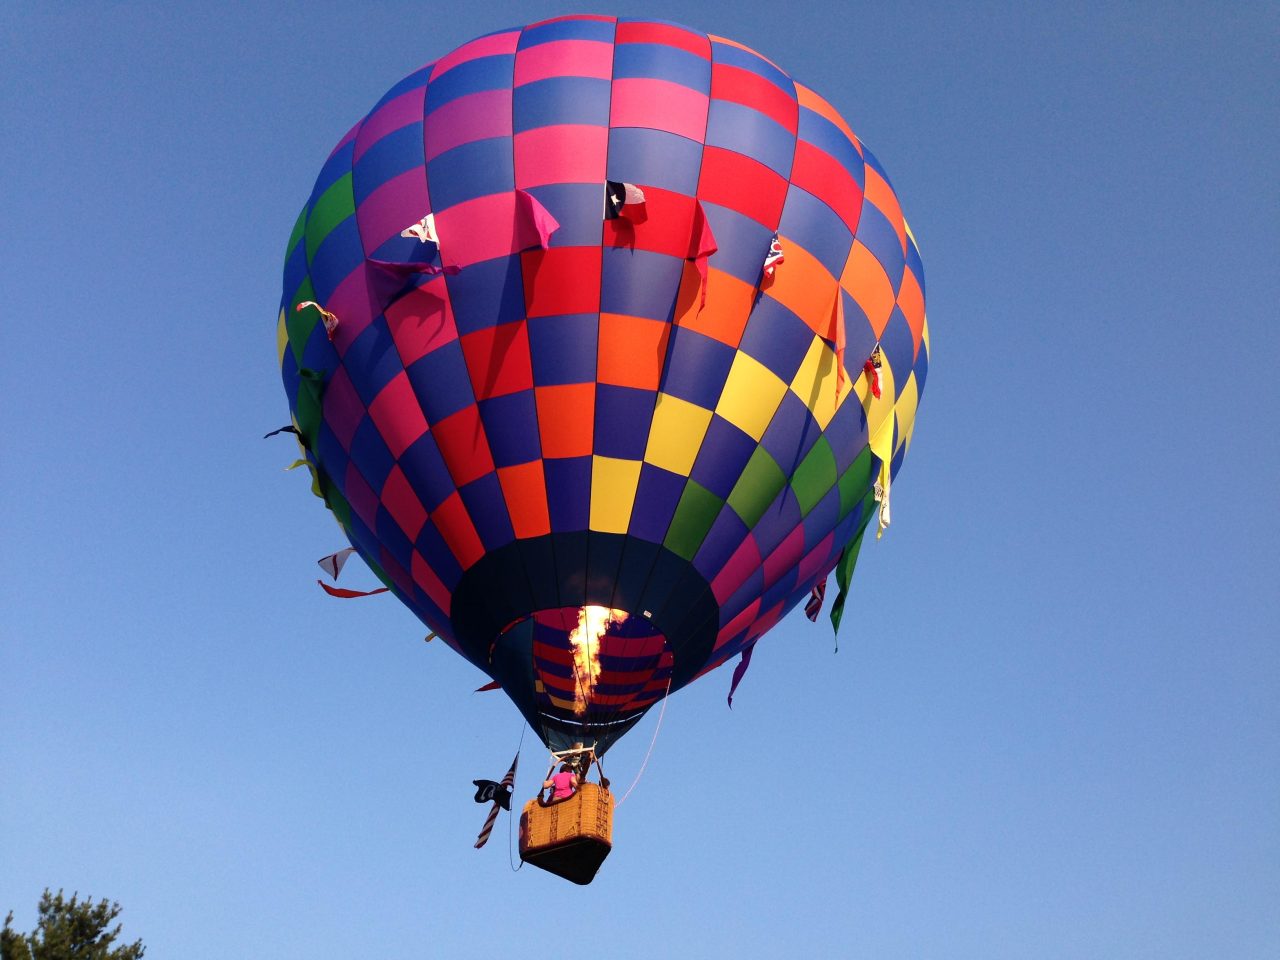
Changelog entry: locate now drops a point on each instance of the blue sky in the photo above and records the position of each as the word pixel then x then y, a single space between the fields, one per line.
pixel 1052 728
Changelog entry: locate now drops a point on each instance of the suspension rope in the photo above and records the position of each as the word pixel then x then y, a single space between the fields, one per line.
pixel 645 763
pixel 511 814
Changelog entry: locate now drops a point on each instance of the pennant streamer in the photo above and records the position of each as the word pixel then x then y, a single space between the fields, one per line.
pixel 702 244
pixel 330 321
pixel 508 782
pixel 844 574
pixel 740 671
pixel 814 605
pixel 348 594
pixel 534 222
pixel 289 429
pixel 334 562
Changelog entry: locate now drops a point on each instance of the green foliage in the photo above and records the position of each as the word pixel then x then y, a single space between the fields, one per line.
pixel 68 930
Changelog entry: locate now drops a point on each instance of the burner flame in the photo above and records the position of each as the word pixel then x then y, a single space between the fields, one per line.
pixel 593 622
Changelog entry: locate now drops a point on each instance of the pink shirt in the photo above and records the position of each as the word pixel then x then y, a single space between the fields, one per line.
pixel 562 784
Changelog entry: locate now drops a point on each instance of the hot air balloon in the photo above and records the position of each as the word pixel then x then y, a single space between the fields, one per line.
pixel 603 339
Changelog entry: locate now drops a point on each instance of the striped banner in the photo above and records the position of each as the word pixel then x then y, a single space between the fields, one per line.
pixel 509 781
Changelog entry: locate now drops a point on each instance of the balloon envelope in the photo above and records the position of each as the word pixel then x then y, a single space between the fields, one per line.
pixel 602 418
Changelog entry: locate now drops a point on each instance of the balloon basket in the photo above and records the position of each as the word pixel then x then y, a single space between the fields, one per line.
pixel 571 837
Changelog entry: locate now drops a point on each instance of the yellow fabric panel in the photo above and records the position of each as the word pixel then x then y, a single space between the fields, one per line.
pixel 751 394
pixel 924 335
pixel 613 492
pixel 815 382
pixel 905 410
pixel 282 338
pixel 676 434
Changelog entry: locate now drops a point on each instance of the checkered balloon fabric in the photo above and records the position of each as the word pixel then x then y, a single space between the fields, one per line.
pixel 579 317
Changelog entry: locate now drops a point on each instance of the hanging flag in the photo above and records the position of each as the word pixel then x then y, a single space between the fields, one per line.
pixel 289 429
pixel 872 369
pixel 844 576
pixel 334 562
pixel 534 223
pixel 501 800
pixel 814 605
pixel 491 685
pixel 702 244
pixel 424 230
pixel 773 258
pixel 348 594
pixel 330 321
pixel 740 671
pixel 623 199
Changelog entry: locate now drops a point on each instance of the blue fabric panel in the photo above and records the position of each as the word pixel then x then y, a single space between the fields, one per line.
pixel 847 432
pixel 362 538
pixel 782 591
pixel 791 433
pixel 829 138
pixel 662 62
pixel 370 453
pixel 870 159
pixel 860 339
pixel 639 283
pixel 742 243
pixel 922 368
pixel 472 170
pixel 897 346
pixel 822 519
pixel 654 158
pixel 724 453
pixel 563 349
pixel 696 367
pixel 337 256
pixel 318 352
pixel 557 100
pixel 441 382
pixel 752 134
pixel 812 224
pixel 511 424
pixel 577 208
pixel 292 380
pixel 742 598
pixel 776 337
pixel 393 538
pixel 567 30
pixel 334 169
pixel 333 459
pixel 623 415
pixel 725 536
pixel 657 496
pixel 439 557
pixel 878 235
pixel 737 57
pixel 391 156
pixel 780 519
pixel 412 82
pixel 295 271
pixel 426 472
pixel 487 294
pixel 914 263
pixel 485 73
pixel 488 508
pixel 568 493
pixel 372 360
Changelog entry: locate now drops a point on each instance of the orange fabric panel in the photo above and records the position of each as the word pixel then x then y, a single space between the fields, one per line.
pixel 865 280
pixel 525 489
pixel 454 523
pixel 727 310
pixel 881 194
pixel 807 98
pixel 911 303
pixel 805 287
pixel 631 351
pixel 566 419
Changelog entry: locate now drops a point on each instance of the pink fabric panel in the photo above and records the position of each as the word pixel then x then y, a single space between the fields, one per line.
pixel 785 556
pixel 343 409
pixel 350 304
pixel 391 116
pixel 659 105
pixel 425 577
pixel 564 58
pixel 567 153
pixel 497 44
pixel 476 116
pixel 811 567
pixel 734 573
pixel 397 415
pixel 394 205
pixel 492 226
pixel 347 137
pixel 421 321
pixel 361 497
pixel 403 504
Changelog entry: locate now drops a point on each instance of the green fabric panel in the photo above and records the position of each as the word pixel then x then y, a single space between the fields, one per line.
pixel 335 205
pixel 696 512
pixel 300 324
pixel 337 503
pixel 815 476
pixel 308 407
pixel 855 482
pixel 761 481
pixel 299 227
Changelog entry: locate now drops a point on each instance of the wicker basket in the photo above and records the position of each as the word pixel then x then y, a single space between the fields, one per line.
pixel 569 838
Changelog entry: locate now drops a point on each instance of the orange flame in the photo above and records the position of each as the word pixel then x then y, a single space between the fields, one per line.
pixel 593 622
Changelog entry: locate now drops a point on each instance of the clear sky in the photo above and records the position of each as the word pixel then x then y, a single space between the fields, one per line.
pixel 1053 725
